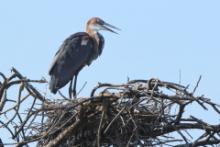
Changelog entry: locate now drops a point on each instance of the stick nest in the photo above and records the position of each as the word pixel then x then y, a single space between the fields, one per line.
pixel 139 112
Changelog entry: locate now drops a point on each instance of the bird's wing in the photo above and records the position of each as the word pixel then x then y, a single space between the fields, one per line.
pixel 74 53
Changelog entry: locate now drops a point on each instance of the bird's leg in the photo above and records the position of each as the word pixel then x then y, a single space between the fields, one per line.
pixel 74 86
pixel 70 89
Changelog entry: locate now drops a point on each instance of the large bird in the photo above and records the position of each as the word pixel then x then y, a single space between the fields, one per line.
pixel 77 51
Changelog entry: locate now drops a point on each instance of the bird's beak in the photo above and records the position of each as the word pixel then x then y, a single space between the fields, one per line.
pixel 109 27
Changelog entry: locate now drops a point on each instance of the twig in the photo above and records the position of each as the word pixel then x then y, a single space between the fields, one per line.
pixel 63 135
pixel 197 84
pixel 99 129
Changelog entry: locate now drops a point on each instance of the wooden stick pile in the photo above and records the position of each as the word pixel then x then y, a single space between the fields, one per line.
pixel 139 112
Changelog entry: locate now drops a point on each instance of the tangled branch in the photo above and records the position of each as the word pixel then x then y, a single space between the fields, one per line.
pixel 139 112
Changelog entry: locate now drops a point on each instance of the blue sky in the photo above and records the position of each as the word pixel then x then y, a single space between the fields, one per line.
pixel 158 39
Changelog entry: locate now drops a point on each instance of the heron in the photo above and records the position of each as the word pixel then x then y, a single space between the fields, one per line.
pixel 76 52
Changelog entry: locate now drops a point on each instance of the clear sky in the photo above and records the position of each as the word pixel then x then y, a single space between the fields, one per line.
pixel 158 39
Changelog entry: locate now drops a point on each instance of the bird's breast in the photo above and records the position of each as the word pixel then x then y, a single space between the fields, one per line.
pixel 90 43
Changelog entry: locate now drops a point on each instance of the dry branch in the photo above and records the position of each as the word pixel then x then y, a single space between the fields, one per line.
pixel 139 112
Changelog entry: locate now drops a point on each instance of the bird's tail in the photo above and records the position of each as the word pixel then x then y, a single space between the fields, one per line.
pixel 53 84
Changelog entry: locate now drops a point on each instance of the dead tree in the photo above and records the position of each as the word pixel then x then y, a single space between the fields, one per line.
pixel 138 112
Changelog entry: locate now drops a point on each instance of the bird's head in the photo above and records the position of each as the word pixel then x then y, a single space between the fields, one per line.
pixel 96 24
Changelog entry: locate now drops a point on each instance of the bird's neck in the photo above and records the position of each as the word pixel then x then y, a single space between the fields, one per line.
pixel 94 35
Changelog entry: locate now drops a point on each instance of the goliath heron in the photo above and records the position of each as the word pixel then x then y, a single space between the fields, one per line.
pixel 77 51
